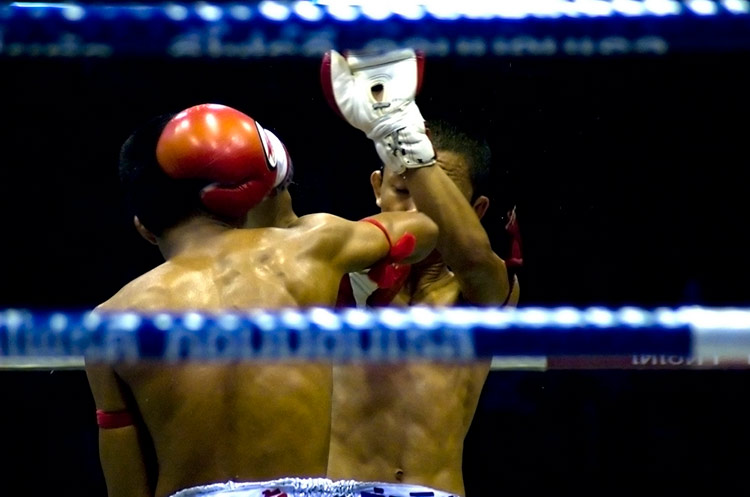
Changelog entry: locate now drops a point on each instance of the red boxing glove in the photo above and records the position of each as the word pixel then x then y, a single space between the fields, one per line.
pixel 225 146
pixel 388 272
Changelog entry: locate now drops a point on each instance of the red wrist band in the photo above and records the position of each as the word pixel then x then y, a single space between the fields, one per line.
pixel 113 419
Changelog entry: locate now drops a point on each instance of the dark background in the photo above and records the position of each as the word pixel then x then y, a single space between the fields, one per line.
pixel 629 177
pixel 629 174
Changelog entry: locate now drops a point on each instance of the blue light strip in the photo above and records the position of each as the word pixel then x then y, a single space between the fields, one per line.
pixel 380 10
pixel 440 28
pixel 382 335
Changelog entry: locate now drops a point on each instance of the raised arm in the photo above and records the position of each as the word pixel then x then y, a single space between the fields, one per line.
pixel 462 240
pixel 375 94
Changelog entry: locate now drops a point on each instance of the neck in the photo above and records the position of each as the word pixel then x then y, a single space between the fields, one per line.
pixel 275 211
pixel 191 236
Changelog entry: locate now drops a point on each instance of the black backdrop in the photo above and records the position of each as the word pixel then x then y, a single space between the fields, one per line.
pixel 629 176
pixel 628 173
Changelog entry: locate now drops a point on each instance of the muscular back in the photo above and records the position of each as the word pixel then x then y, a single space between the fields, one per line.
pixel 238 269
pixel 244 421
pixel 406 422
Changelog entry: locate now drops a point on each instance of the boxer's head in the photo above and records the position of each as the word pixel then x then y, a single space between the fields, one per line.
pixel 465 160
pixel 156 200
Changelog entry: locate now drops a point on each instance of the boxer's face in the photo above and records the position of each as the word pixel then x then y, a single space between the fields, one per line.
pixel 392 193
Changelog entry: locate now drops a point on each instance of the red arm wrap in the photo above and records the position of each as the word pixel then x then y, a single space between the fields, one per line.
pixel 389 273
pixel 515 257
pixel 380 226
pixel 113 419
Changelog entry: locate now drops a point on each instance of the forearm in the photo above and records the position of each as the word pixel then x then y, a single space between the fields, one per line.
pixel 462 240
pixel 120 449
pixel 123 463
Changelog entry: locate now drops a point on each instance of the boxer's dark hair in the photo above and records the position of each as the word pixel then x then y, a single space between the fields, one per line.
pixel 475 150
pixel 160 202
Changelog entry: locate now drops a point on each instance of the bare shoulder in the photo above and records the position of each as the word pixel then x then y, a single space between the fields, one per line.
pixel 323 227
pixel 319 220
pixel 145 293
pixel 307 231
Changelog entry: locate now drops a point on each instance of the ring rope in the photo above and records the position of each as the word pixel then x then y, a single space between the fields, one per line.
pixel 306 28
pixel 393 334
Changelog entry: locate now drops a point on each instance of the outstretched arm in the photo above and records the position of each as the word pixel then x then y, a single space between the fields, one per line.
pixel 356 245
pixel 367 244
pixel 398 224
pixel 462 240
pixel 120 451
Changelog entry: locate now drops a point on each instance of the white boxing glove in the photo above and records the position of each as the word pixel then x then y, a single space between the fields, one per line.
pixel 375 93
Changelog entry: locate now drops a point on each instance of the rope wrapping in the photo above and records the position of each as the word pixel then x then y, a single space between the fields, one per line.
pixel 440 29
pixel 391 334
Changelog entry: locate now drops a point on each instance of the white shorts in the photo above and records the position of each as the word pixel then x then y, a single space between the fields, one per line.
pixel 310 487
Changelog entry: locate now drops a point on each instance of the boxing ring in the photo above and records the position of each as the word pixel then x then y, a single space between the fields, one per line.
pixel 387 335
pixel 536 340
pixel 307 28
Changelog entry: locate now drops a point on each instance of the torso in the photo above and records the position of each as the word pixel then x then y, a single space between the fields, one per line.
pixel 241 421
pixel 406 422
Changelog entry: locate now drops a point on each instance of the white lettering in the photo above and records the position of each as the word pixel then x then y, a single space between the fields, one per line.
pixel 182 344
pixel 651 45
pixel 524 45
pixel 675 360
pixel 644 360
pixel 119 346
pixel 614 45
pixel 439 47
pixel 582 46
pixel 471 47
pixel 319 43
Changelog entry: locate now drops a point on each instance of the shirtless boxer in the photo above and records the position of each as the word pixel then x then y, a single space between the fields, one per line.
pixel 192 180
pixel 407 423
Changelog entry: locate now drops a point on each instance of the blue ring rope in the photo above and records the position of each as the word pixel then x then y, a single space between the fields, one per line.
pixel 451 334
pixel 307 29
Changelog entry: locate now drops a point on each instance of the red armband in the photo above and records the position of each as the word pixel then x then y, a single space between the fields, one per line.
pixel 515 256
pixel 389 273
pixel 113 419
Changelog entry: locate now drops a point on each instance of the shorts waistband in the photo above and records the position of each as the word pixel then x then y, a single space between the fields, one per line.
pixel 310 487
pixel 274 488
pixel 397 490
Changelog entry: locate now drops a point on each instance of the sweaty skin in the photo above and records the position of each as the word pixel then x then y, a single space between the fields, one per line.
pixel 199 423
pixel 407 422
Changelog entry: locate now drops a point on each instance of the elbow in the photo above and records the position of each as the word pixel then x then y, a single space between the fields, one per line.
pixel 432 232
pixel 426 233
pixel 473 256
